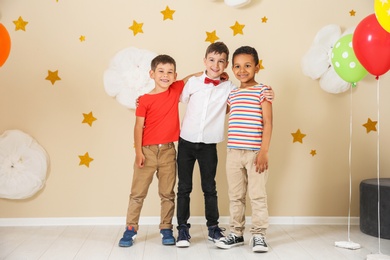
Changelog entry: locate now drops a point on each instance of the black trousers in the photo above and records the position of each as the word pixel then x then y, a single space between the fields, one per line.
pixel 206 155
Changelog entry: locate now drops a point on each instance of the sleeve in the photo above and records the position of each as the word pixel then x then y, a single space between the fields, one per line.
pixel 262 96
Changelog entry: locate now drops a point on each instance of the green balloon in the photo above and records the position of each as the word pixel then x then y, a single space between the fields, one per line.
pixel 344 61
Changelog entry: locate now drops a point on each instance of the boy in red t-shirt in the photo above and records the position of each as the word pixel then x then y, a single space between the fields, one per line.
pixel 156 128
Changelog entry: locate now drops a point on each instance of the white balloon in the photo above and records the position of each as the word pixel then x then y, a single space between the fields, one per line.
pixel 23 165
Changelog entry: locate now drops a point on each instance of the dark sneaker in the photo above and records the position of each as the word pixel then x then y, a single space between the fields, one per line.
pixel 258 244
pixel 167 237
pixel 183 238
pixel 230 241
pixel 128 237
pixel 216 233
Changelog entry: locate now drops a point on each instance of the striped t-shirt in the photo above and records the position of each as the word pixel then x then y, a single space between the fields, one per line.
pixel 246 118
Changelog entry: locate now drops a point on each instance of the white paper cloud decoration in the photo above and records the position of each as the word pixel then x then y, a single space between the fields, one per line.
pixel 235 3
pixel 127 76
pixel 316 63
pixel 23 165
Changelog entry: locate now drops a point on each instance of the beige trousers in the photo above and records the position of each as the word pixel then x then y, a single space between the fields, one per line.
pixel 242 180
pixel 160 160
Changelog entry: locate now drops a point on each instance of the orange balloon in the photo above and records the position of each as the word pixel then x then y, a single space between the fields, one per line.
pixel 5 44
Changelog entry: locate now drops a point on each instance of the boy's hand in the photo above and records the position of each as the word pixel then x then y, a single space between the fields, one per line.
pixel 137 102
pixel 140 160
pixel 261 162
pixel 224 77
pixel 269 94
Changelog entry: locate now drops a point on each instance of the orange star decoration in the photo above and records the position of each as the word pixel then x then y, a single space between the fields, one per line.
pixel 313 152
pixel 237 28
pixel 136 28
pixel 85 159
pixel 298 136
pixel 370 125
pixel 168 13
pixel 20 24
pixel 264 19
pixel 211 37
pixel 88 118
pixel 82 38
pixel 261 64
pixel 53 76
pixel 352 12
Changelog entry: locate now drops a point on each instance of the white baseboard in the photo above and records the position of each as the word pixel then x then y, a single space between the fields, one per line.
pixel 224 220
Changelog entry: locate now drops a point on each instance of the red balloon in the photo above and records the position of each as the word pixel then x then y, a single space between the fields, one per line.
pixel 5 44
pixel 371 44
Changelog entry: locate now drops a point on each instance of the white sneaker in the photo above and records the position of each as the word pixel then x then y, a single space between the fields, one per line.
pixel 258 244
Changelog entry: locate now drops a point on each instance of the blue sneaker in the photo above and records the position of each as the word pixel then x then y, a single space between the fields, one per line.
pixel 183 239
pixel 167 237
pixel 216 233
pixel 128 237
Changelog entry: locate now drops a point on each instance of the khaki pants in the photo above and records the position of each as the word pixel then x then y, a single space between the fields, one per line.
pixel 242 178
pixel 160 159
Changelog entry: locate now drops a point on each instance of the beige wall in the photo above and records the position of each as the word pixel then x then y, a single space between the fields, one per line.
pixel 299 184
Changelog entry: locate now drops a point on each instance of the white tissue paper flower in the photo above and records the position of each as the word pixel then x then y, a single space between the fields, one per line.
pixel 23 165
pixel 235 3
pixel 316 63
pixel 127 76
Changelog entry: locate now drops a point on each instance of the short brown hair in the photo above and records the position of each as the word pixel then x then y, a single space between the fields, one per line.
pixel 162 59
pixel 218 47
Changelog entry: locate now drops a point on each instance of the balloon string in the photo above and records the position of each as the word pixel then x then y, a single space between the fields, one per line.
pixel 377 170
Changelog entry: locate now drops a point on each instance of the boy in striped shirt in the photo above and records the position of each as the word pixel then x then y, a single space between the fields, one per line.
pixel 249 135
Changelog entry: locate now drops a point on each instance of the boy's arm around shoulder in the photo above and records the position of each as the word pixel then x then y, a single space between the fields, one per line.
pixel 138 132
pixel 186 93
pixel 197 74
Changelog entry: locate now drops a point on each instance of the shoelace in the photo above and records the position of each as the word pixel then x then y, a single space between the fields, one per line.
pixel 230 238
pixel 183 234
pixel 258 240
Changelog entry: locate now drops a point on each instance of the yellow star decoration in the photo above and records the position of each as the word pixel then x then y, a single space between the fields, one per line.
pixel 264 19
pixel 168 13
pixel 211 37
pixel 298 136
pixel 20 24
pixel 136 27
pixel 313 152
pixel 352 12
pixel 261 64
pixel 237 28
pixel 53 76
pixel 370 125
pixel 85 159
pixel 82 38
pixel 88 118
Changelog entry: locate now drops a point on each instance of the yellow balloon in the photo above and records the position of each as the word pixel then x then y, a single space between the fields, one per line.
pixel 382 13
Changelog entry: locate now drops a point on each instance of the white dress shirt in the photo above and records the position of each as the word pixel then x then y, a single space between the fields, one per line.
pixel 204 119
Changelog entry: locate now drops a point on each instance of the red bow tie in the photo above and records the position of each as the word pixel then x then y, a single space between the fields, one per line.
pixel 208 80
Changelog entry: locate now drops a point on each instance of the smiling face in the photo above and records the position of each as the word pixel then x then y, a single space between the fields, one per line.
pixel 215 64
pixel 244 69
pixel 163 75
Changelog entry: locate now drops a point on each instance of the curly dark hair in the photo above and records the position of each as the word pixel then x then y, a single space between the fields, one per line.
pixel 247 50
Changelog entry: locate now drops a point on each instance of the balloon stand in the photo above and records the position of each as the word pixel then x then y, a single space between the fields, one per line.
pixel 347 244
pixel 377 257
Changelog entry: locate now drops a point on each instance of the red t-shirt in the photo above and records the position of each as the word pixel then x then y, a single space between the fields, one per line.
pixel 161 113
